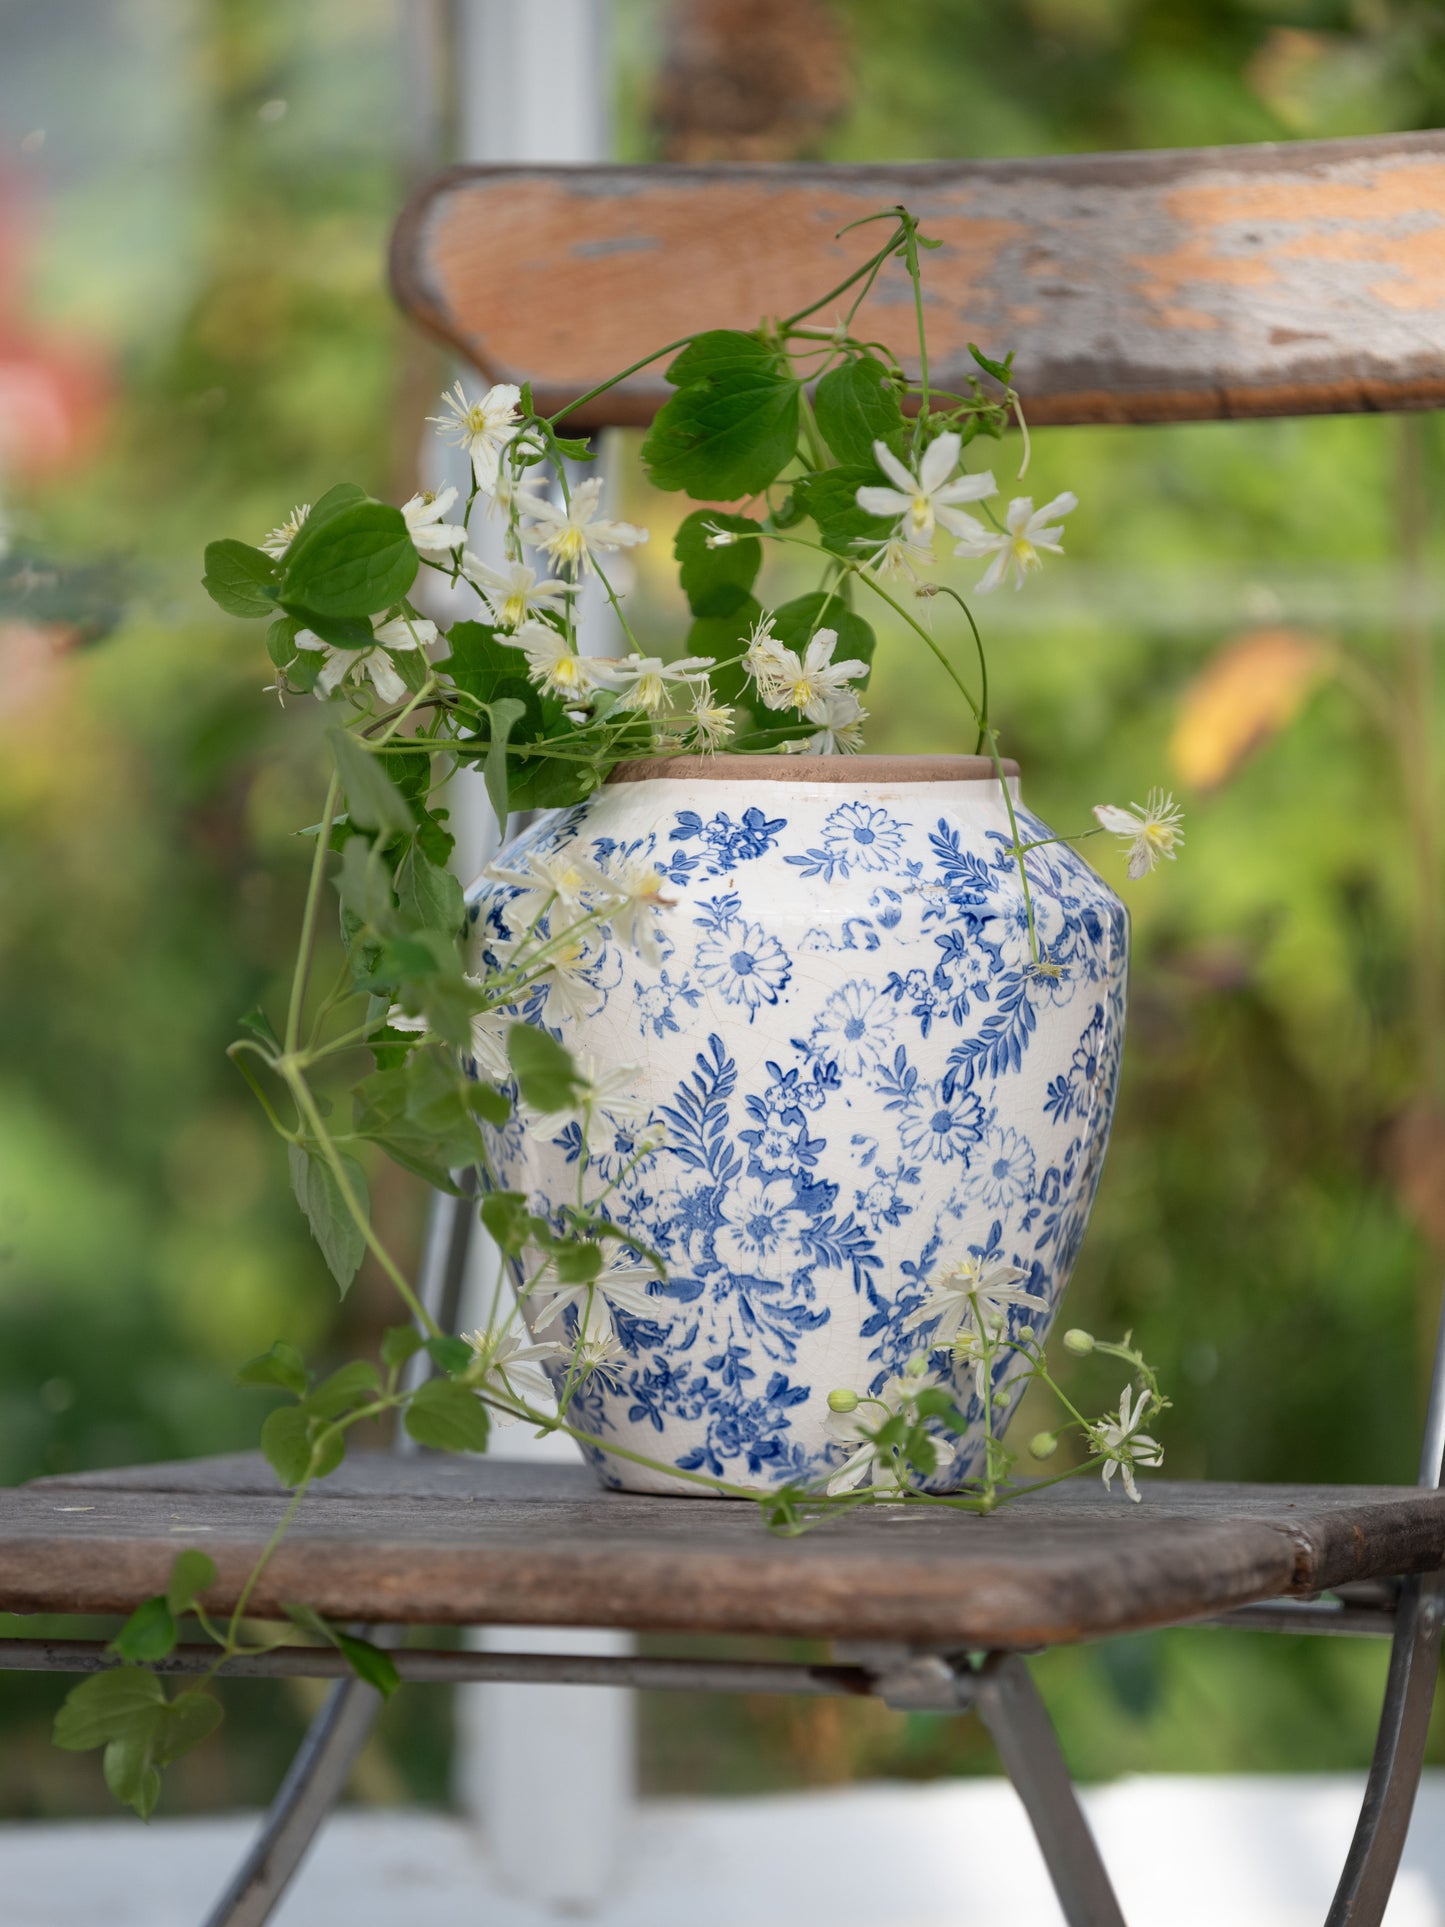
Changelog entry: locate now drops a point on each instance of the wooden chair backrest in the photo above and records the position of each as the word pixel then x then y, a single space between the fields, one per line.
pixel 1169 286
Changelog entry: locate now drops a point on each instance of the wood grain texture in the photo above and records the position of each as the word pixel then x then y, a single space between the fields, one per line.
pixel 445 1541
pixel 1169 286
pixel 725 767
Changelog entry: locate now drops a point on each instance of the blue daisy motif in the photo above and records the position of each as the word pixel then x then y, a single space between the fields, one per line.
pixel 940 1122
pixel 761 1234
pixel 854 1029
pixel 860 836
pixel 1002 1169
pixel 742 961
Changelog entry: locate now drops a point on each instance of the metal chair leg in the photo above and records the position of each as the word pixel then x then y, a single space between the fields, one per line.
pixel 1008 1702
pixel 317 1776
pixel 314 1783
pixel 1374 1856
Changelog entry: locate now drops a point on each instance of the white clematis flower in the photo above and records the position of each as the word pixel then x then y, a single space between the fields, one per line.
pixel 849 1429
pixel 633 897
pixel 841 733
pixel 788 681
pixel 349 665
pixel 930 498
pixel 1027 533
pixel 1151 832
pixel 483 428
pixel 562 881
pixel 711 722
pixel 1122 1446
pixel 508 1368
pixel 280 539
pixel 514 592
pixel 971 1294
pixel 573 535
pixel 643 680
pixel 553 664
pixel 621 1284
pixel 423 516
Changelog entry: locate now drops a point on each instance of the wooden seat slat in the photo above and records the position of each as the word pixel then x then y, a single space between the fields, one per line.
pixel 1188 285
pixel 438 1541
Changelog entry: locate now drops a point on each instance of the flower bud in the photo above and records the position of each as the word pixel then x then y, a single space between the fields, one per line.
pixel 842 1400
pixel 1043 1445
pixel 721 539
pixel 916 1366
pixel 1027 1334
pixel 1080 1343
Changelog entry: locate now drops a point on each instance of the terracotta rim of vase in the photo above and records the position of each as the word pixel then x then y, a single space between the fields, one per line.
pixel 726 768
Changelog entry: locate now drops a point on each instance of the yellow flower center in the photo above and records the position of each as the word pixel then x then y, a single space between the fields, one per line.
pixel 568 544
pixel 921 513
pixel 802 692
pixel 514 610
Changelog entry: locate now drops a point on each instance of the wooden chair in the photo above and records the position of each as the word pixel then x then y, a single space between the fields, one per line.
pixel 1137 288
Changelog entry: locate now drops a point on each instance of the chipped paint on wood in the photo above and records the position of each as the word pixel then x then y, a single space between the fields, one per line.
pixel 1135 287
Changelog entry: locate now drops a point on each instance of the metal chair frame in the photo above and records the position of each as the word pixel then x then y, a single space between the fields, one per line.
pixel 997 1686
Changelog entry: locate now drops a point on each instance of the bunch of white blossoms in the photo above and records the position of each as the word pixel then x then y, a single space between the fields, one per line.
pixel 813 685
pixel 534 606
pixel 931 497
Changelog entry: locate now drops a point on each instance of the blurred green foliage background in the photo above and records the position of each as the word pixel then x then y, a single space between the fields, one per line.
pixel 193 221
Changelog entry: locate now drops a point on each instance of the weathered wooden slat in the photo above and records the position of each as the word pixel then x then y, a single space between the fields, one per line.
pixel 1166 286
pixel 446 1541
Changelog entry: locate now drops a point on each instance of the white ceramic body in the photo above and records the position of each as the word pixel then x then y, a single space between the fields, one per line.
pixel 861 1076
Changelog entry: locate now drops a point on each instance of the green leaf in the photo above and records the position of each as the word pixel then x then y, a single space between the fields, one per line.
pixel 400 1343
pixel 191 1573
pixel 546 1076
pixel 857 405
pixel 577 1264
pixel 259 1025
pixel 239 579
pixel 149 1633
pixel 717 581
pixel 732 427
pixel 355 562
pixel 363 884
pixel 482 663
pixel 319 1195
pixel 796 622
pixel 429 896
pixel 282 1366
pixel 1002 371
pixel 332 503
pixel 372 799
pixel 107 1706
pixel 724 638
pixel 830 497
pixel 353 1384
pixel 286 1442
pixel 191 1717
pixel 485 1101
pixel 450 1354
pixel 369 1663
pixel 507 1219
pixel 503 715
pixel 281 640
pixel 342 632
pixel 131 1772
pixel 421 1113
pixel 445 1415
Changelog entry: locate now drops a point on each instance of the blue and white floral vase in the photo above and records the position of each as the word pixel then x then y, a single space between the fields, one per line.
pixel 829 1069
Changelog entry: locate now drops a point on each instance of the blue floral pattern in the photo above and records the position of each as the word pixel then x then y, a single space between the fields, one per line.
pixel 861 1073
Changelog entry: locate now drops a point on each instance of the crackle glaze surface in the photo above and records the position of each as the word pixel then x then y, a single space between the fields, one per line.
pixel 861 1076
